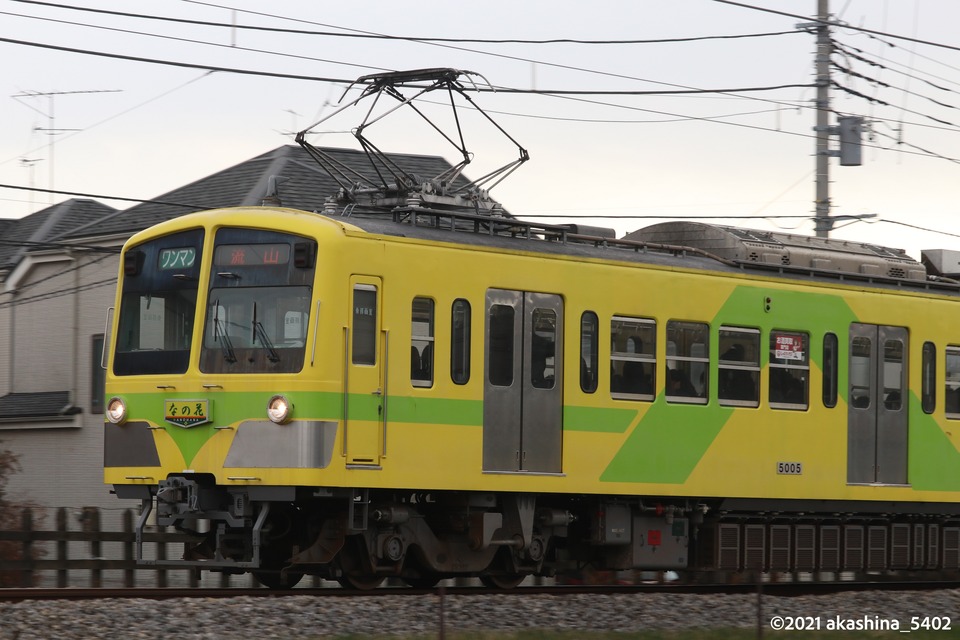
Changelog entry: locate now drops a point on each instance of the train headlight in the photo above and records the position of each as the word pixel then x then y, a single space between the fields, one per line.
pixel 279 409
pixel 116 410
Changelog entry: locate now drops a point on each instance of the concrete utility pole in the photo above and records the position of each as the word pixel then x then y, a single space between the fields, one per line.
pixel 824 48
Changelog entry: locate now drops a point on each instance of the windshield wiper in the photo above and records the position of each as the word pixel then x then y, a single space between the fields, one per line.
pixel 228 353
pixel 258 330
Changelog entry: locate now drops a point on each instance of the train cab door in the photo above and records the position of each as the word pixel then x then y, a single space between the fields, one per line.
pixel 364 397
pixel 523 385
pixel 877 405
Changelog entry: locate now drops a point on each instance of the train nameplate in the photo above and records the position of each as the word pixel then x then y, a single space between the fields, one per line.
pixel 187 413
pixel 790 468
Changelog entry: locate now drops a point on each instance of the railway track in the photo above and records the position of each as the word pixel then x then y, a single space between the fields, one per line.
pixel 781 589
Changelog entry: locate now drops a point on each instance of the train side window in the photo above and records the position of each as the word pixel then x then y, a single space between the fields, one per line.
pixel 589 344
pixel 633 358
pixel 830 361
pixel 951 392
pixel 688 361
pixel 738 371
pixel 501 345
pixel 421 343
pixel 892 375
pixel 460 342
pixel 928 378
pixel 789 370
pixel 543 349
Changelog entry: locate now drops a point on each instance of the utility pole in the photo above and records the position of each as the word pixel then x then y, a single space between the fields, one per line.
pixel 824 48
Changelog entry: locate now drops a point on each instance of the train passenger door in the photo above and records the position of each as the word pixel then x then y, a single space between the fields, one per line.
pixel 523 382
pixel 877 401
pixel 364 397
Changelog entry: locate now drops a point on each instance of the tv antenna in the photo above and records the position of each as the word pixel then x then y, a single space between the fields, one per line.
pixel 51 129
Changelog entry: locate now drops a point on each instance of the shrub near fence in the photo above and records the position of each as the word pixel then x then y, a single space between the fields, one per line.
pixel 24 553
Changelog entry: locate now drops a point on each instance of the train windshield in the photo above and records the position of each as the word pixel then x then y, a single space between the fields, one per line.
pixel 255 329
pixel 158 305
pixel 258 305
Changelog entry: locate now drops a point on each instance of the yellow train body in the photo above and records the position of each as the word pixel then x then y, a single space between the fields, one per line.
pixel 377 427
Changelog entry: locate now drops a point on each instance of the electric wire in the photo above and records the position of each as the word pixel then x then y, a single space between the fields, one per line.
pixel 475 51
pixel 879 83
pixel 102 197
pixel 232 47
pixel 833 23
pixel 480 89
pixel 59 293
pixel 395 37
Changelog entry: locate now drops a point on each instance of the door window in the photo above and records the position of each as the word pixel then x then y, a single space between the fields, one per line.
pixel 501 345
pixel 364 324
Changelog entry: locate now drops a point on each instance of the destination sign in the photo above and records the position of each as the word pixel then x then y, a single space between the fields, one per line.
pixel 251 255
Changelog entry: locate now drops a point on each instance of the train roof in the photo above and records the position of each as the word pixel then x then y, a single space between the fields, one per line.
pixel 684 244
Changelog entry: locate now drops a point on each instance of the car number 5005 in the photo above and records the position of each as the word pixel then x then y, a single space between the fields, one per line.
pixel 790 468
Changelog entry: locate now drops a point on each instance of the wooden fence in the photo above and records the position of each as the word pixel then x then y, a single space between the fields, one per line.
pixel 23 554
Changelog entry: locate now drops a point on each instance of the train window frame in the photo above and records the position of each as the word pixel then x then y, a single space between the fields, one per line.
pixel 685 369
pixel 633 345
pixel 783 342
pixel 830 371
pixel 928 377
pixel 951 382
pixel 460 332
pixel 589 352
pixel 422 341
pixel 738 366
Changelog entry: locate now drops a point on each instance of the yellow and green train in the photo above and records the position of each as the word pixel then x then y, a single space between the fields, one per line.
pixel 427 394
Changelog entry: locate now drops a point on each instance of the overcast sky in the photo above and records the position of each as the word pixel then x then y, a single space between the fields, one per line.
pixel 137 129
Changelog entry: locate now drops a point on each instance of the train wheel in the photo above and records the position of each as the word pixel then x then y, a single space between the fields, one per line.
pixel 501 581
pixel 278 581
pixel 361 583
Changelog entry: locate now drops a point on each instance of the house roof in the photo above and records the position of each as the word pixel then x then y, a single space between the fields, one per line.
pixel 304 185
pixel 45 225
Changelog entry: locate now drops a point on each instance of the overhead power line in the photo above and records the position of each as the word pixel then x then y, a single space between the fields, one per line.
pixel 860 56
pixel 428 42
pixel 173 63
pixel 377 36
pixel 232 47
pixel 879 83
pixel 102 197
pixel 834 23
pixel 479 88
pixel 887 104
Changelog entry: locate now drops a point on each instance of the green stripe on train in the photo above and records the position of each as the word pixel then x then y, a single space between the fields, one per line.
pixel 932 459
pixel 231 408
pixel 669 442
pixel 597 420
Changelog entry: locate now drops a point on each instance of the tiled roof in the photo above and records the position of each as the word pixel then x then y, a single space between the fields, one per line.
pixel 45 225
pixel 43 404
pixel 306 186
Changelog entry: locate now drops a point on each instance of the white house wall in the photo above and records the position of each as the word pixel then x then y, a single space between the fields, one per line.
pixel 61 461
